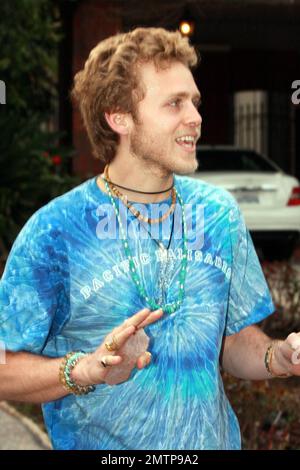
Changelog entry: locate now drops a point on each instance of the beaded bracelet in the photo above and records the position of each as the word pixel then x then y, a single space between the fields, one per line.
pixel 268 362
pixel 67 365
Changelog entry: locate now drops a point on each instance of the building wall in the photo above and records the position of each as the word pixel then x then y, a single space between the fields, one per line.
pixel 93 20
pixel 222 74
pixel 213 79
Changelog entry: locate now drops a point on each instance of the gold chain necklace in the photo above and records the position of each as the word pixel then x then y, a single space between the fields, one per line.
pixel 131 207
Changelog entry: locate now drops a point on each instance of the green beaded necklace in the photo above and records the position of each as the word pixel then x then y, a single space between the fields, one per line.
pixel 168 307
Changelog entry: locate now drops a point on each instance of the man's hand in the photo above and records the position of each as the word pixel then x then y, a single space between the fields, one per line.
pixel 90 370
pixel 286 357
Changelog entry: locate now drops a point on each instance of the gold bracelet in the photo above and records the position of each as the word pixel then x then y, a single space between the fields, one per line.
pixel 268 362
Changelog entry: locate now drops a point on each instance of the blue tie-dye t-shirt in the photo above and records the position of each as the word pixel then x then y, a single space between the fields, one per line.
pixel 66 286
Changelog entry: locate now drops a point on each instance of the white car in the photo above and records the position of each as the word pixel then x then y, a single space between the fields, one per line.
pixel 268 198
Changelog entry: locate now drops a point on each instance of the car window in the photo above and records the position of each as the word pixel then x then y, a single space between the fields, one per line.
pixel 232 160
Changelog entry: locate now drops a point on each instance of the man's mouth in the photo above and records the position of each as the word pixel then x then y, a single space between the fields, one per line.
pixel 187 141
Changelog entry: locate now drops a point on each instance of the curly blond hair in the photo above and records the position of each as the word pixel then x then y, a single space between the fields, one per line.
pixel 109 81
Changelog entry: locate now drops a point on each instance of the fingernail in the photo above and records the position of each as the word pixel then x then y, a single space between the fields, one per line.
pixel 158 312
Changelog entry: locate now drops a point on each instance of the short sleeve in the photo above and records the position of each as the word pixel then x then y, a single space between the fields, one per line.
pixel 33 300
pixel 249 296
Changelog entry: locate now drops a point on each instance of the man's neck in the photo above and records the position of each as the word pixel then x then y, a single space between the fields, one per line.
pixel 140 179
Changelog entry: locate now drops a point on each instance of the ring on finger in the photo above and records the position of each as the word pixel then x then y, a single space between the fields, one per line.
pixel 112 345
pixel 135 329
pixel 103 362
pixel 149 354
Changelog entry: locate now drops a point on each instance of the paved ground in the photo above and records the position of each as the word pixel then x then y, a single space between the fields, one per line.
pixel 18 432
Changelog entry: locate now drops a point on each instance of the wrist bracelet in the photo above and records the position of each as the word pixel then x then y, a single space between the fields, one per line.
pixel 67 365
pixel 268 362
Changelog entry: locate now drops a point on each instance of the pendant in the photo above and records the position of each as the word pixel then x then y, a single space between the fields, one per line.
pixel 165 273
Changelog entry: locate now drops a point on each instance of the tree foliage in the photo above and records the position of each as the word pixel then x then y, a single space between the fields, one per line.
pixel 30 32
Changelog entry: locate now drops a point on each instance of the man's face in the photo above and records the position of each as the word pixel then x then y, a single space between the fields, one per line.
pixel 168 121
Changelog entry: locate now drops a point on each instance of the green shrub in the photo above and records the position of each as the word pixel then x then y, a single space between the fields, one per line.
pixel 29 175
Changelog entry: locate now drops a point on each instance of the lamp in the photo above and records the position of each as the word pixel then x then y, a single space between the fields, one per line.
pixel 187 23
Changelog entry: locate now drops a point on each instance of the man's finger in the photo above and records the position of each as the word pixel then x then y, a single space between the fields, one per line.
pixel 114 341
pixel 295 359
pixel 107 361
pixel 153 317
pixel 135 320
pixel 294 340
pixel 144 360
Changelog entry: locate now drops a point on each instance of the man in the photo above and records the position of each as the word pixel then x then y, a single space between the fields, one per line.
pixel 86 267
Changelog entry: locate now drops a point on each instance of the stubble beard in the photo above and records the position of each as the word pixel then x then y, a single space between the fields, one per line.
pixel 147 150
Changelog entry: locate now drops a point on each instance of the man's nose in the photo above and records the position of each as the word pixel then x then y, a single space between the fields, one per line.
pixel 193 117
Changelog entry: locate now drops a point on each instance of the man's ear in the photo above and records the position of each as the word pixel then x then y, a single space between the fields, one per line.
pixel 119 122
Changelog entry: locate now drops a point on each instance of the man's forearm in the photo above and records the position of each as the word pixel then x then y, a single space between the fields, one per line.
pixel 243 354
pixel 30 378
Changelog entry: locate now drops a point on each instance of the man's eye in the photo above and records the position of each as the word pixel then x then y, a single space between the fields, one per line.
pixel 174 103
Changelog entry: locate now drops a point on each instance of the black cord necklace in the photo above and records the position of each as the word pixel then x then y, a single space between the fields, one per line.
pixel 160 244
pixel 141 192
